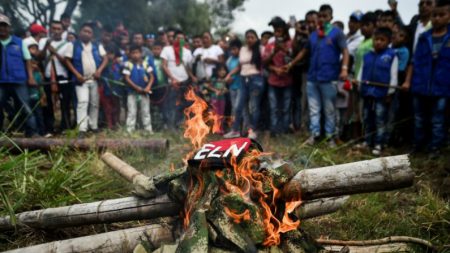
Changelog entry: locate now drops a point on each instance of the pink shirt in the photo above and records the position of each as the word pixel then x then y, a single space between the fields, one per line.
pixel 280 59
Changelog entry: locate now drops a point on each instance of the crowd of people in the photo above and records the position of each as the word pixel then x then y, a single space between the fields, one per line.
pixel 384 80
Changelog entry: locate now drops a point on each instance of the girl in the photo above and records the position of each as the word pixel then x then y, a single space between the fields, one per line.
pixel 218 88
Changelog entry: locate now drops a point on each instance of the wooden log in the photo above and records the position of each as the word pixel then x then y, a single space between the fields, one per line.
pixel 121 167
pixel 319 207
pixel 114 210
pixel 111 242
pixel 385 248
pixel 381 174
pixel 85 144
pixel 132 208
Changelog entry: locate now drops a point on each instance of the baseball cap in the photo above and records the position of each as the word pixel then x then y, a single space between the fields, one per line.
pixel 277 22
pixel 4 19
pixel 36 28
pixel 150 36
pixel 357 15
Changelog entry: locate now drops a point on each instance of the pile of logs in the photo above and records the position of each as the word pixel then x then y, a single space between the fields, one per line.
pixel 322 191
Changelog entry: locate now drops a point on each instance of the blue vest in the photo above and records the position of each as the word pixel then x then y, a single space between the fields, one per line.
pixel 151 62
pixel 76 58
pixel 426 80
pixel 377 68
pixel 324 60
pixel 138 75
pixel 13 69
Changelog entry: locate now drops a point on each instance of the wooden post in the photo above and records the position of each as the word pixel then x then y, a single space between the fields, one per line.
pixel 111 242
pixel 319 207
pixel 107 211
pixel 85 144
pixel 381 174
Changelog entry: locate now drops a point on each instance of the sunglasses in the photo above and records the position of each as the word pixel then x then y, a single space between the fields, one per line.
pixel 427 3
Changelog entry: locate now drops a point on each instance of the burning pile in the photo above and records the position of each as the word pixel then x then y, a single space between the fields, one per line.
pixel 231 193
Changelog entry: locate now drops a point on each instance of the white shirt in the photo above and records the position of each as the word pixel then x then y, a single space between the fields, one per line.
pixel 177 71
pixel 87 59
pixel 245 58
pixel 353 42
pixel 29 41
pixel 61 48
pixel 419 30
pixel 213 52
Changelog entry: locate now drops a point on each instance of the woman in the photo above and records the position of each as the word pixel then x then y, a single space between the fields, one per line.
pixel 252 86
pixel 207 57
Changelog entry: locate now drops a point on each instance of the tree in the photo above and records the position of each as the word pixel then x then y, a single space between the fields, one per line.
pixel 25 12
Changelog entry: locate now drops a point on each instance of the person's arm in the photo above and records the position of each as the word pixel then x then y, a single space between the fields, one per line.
pixel 72 69
pixel 168 73
pixel 31 80
pixel 394 76
pixel 148 88
pixel 234 71
pixel 345 61
pixel 409 73
pixel 98 72
pixel 297 58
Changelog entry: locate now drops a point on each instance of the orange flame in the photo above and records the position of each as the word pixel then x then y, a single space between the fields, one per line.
pixel 238 218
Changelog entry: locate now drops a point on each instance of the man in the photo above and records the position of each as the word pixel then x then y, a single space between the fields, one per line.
pixel 326 45
pixel 150 40
pixel 106 38
pixel 138 40
pixel 37 32
pixel 177 61
pixel 66 21
pixel 86 60
pixel 354 36
pixel 52 51
pixel 420 23
pixel 311 19
pixel 15 73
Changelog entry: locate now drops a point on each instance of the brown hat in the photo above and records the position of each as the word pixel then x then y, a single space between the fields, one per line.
pixel 5 19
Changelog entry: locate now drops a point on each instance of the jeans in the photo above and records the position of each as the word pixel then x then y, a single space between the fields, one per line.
pixel 280 103
pixel 20 94
pixel 322 95
pixel 375 114
pixel 429 110
pixel 87 107
pixel 249 97
pixel 111 108
pixel 144 105
pixel 176 103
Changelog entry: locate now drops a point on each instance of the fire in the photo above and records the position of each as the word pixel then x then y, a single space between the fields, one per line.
pixel 243 179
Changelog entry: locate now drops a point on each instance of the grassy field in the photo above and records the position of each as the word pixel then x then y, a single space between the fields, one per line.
pixel 34 180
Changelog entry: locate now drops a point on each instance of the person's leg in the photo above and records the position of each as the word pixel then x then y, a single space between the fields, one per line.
pixel 304 102
pixel 368 120
pixel 82 92
pixel 256 88
pixel 47 111
pixel 93 105
pixel 145 113
pixel 329 93
pixel 438 129
pixel 23 98
pixel 286 108
pixel 419 121
pixel 381 119
pixel 273 94
pixel 3 99
pixel 131 112
pixel 241 104
pixel 65 98
pixel 315 107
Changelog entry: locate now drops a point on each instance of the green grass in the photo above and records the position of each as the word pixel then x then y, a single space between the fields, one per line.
pixel 34 180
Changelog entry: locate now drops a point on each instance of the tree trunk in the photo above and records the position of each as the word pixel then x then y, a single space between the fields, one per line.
pixel 386 248
pixel 117 241
pixel 114 210
pixel 381 174
pixel 85 144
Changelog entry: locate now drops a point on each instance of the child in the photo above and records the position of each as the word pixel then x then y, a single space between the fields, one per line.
pixel 110 92
pixel 37 96
pixel 161 85
pixel 233 78
pixel 428 77
pixel 139 76
pixel 218 87
pixel 379 66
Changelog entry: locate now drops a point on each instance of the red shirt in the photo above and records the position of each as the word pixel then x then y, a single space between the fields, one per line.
pixel 280 59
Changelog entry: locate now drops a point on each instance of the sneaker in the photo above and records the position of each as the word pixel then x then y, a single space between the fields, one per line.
pixel 311 140
pixel 362 145
pixel 252 134
pixel 48 135
pixel 377 150
pixel 82 135
pixel 332 143
pixel 232 134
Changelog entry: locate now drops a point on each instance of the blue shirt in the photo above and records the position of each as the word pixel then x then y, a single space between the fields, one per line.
pixel 232 63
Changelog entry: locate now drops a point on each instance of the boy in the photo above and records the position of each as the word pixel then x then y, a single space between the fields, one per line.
pixel 161 89
pixel 428 78
pixel 233 78
pixel 379 66
pixel 139 76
